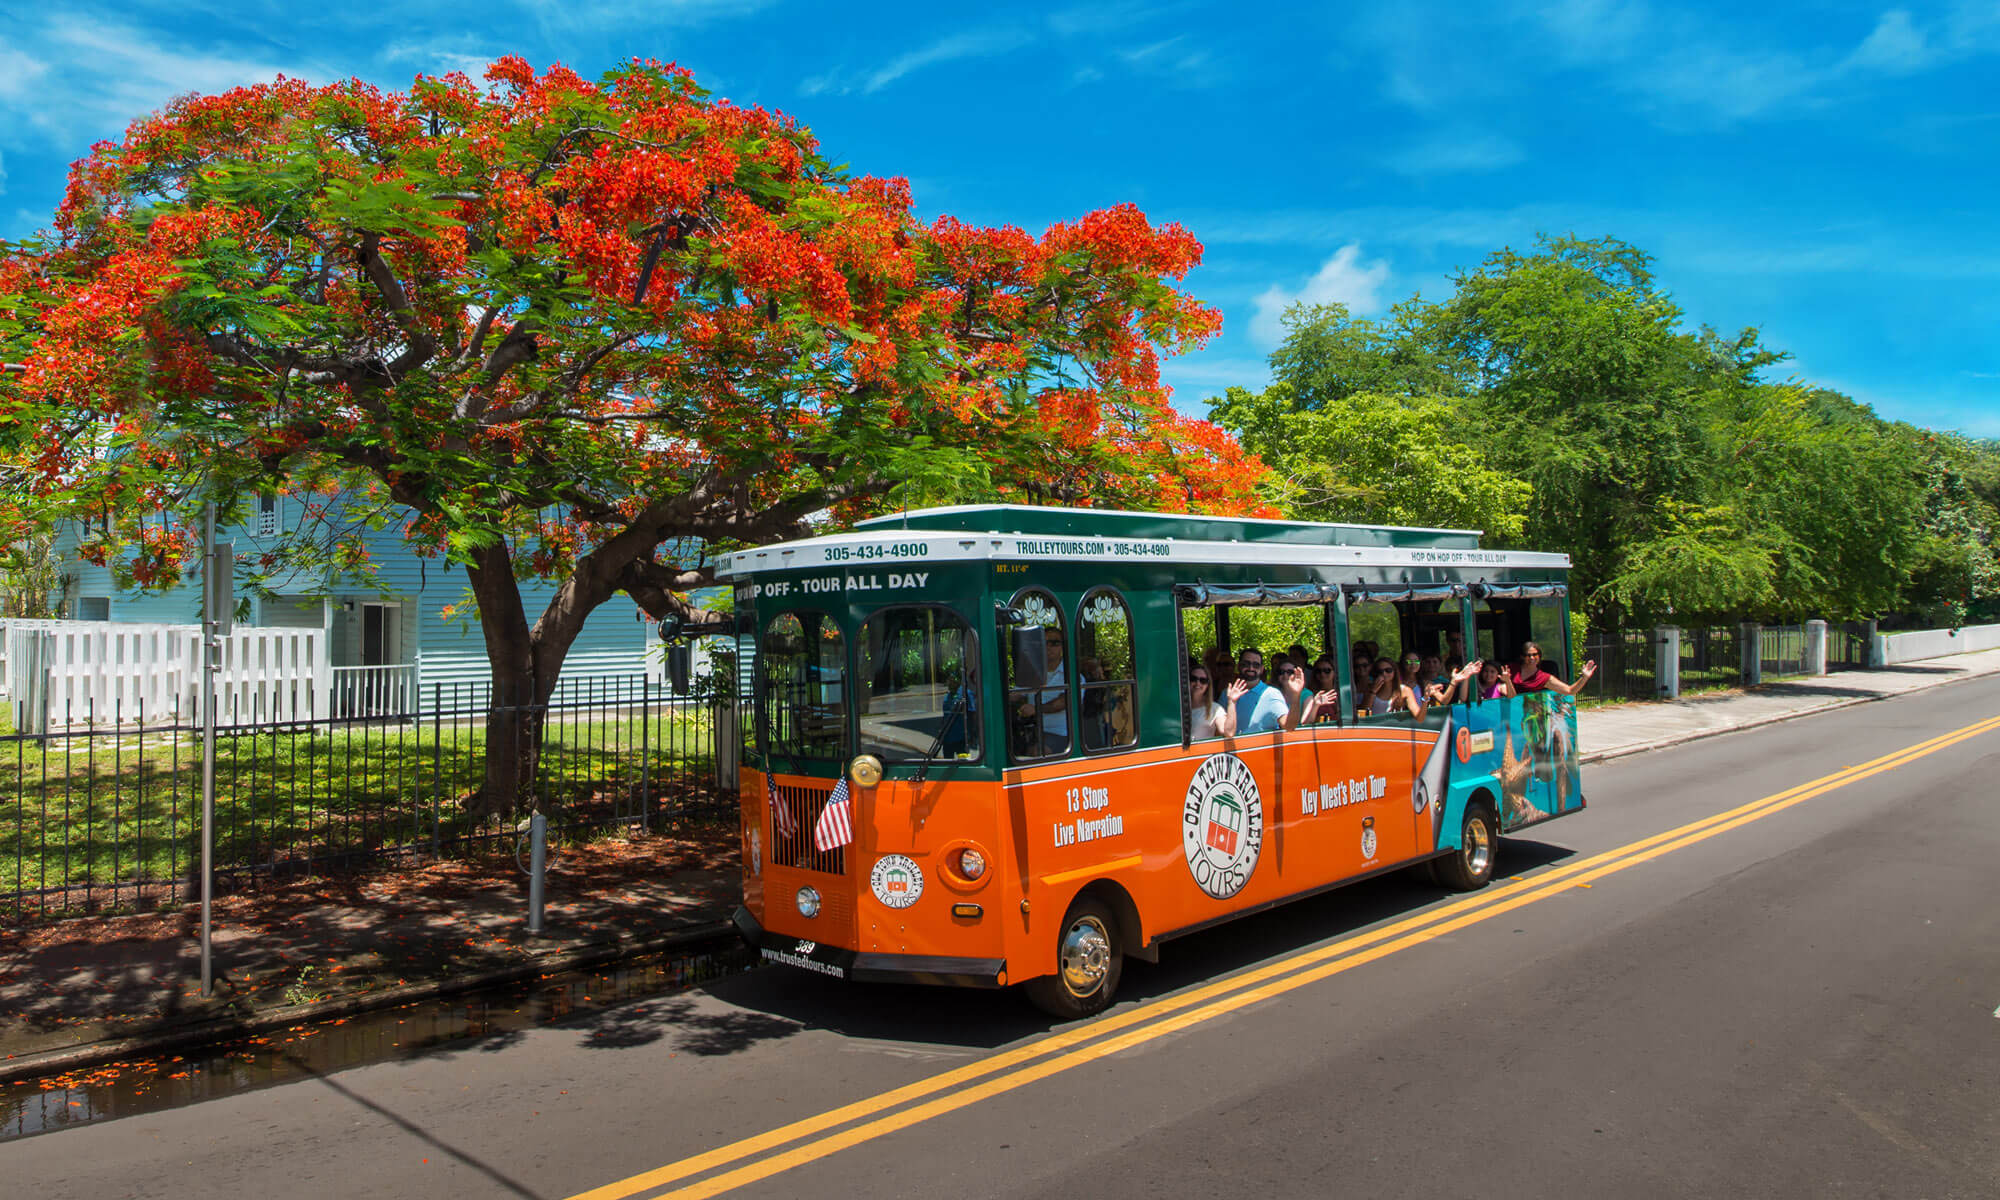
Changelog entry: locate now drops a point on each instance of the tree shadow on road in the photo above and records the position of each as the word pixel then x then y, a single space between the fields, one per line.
pixel 695 1028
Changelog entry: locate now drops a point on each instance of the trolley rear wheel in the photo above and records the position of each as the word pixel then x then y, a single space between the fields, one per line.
pixel 1470 867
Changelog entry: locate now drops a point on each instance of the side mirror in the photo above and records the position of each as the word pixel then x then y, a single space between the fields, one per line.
pixel 673 629
pixel 1031 656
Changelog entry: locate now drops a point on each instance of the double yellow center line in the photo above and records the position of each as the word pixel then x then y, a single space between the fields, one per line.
pixel 1058 1052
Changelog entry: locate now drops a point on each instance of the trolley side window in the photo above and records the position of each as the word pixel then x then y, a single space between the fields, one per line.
pixel 804 661
pixel 1038 724
pixel 1107 712
pixel 917 686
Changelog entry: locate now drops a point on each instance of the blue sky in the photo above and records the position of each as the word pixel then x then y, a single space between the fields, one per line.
pixel 1826 172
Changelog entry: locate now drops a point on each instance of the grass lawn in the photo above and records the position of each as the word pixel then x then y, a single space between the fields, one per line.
pixel 108 808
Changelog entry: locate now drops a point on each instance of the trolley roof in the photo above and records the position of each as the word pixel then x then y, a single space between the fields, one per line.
pixel 1020 532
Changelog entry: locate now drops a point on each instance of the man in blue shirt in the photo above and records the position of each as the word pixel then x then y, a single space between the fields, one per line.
pixel 1260 708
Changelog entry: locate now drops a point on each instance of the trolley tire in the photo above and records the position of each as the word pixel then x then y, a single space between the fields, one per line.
pixel 1470 867
pixel 1089 961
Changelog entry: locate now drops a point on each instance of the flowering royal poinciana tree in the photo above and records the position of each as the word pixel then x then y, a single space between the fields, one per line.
pixel 565 327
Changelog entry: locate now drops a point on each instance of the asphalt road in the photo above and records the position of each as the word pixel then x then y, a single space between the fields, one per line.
pixel 1798 998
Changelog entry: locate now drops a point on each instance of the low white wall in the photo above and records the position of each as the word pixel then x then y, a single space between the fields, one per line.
pixel 1893 648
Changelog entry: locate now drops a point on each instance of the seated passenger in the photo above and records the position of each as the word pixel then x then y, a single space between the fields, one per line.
pixel 1372 692
pixel 1260 708
pixel 1529 676
pixel 1494 681
pixel 1455 688
pixel 1206 718
pixel 1050 703
pixel 1322 705
pixel 1291 682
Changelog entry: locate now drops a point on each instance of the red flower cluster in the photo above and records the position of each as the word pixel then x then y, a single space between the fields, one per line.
pixel 543 294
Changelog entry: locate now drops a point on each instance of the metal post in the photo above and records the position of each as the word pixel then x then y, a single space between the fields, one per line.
pixel 1750 648
pixel 1815 659
pixel 538 831
pixel 209 648
pixel 1667 661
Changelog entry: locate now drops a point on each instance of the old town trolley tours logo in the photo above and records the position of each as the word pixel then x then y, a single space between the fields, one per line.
pixel 1222 825
pixel 896 881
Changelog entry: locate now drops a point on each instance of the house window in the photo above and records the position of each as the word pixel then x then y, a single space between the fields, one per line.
pixel 267 516
pixel 93 608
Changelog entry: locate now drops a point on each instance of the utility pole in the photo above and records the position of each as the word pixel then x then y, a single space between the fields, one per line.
pixel 218 561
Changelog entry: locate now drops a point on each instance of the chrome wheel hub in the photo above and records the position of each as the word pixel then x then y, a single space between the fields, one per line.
pixel 1478 849
pixel 1085 956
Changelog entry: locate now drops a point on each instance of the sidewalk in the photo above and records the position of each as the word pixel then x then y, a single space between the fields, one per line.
pixel 1614 731
pixel 94 989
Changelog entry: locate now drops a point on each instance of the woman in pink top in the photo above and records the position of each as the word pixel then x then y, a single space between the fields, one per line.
pixel 1529 676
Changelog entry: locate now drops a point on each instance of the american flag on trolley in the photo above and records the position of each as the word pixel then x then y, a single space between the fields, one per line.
pixel 835 826
pixel 782 820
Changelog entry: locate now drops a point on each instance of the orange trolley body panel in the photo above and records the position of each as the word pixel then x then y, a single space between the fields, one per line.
pixel 1191 836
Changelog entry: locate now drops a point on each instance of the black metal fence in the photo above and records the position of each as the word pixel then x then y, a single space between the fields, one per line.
pixel 1781 650
pixel 1847 646
pixel 102 814
pixel 1710 658
pixel 1627 664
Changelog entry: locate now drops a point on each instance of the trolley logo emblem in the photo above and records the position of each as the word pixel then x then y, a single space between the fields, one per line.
pixel 896 881
pixel 1368 842
pixel 1222 825
pixel 1464 746
pixel 756 851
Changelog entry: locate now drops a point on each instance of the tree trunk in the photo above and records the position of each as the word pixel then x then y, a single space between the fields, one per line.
pixel 516 707
pixel 524 665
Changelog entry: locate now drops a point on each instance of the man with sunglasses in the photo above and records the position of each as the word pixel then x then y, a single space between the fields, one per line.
pixel 1260 708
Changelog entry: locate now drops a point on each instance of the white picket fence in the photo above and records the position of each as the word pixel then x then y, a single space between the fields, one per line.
pixel 71 673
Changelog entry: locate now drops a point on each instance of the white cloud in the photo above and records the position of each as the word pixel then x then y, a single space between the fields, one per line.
pixel 1684 70
pixel 20 74
pixel 109 75
pixel 981 44
pixel 1450 155
pixel 984 43
pixel 1342 279
pixel 1896 47
pixel 460 52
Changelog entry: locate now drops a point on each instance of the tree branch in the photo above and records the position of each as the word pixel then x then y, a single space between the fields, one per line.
pixel 420 345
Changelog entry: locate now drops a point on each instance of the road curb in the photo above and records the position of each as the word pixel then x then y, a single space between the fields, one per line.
pixel 1773 719
pixel 222 1029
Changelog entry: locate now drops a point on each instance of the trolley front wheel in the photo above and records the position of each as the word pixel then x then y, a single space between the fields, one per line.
pixel 1088 963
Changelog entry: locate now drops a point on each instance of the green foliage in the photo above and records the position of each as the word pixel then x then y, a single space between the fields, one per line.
pixel 1555 399
pixel 1375 458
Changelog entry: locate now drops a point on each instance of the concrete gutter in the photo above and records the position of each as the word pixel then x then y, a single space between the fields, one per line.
pixel 709 935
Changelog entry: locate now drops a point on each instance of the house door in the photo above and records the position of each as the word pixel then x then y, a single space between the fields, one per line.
pixel 381 643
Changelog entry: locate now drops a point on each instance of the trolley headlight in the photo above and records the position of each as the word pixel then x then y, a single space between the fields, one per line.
pixel 808 901
pixel 971 863
pixel 865 770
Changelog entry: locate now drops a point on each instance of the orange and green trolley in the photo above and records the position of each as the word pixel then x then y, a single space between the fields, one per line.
pixel 968 755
